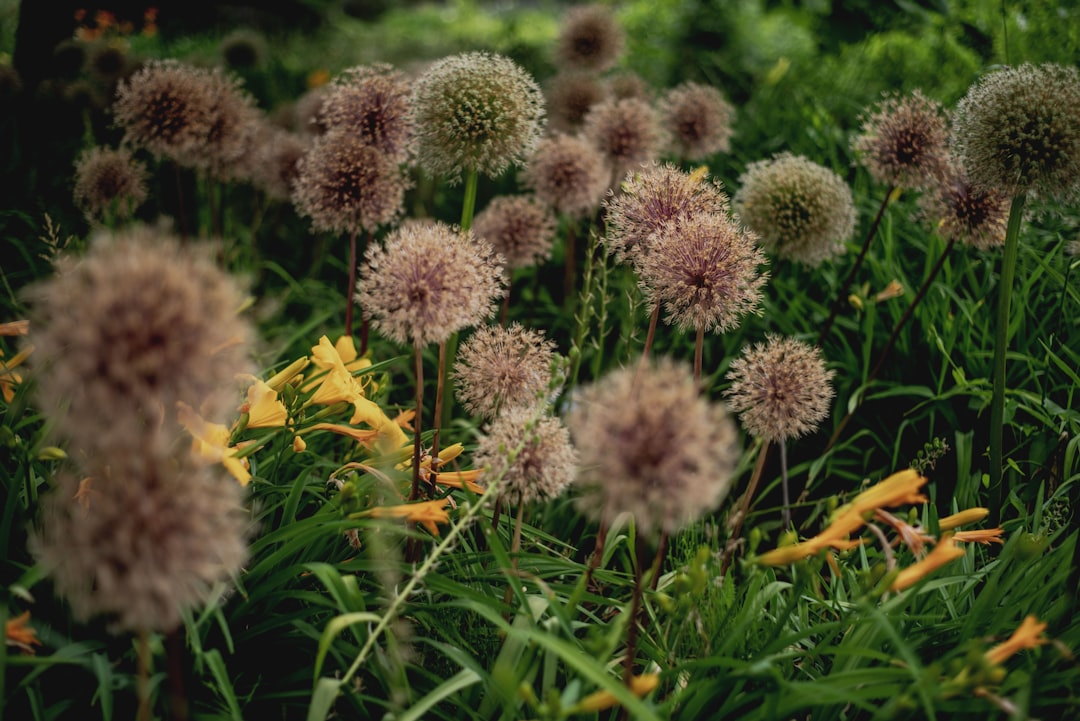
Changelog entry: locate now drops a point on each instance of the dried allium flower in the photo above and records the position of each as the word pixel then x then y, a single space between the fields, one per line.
pixel 704 271
pixel 1018 129
pixel 498 368
pixel 146 540
pixel 131 328
pixel 346 186
pixel 428 281
pixel 653 197
pixel 372 102
pixel 475 112
pixel 904 141
pixel 699 119
pixel 651 445
pixel 109 182
pixel 964 213
pixel 275 160
pixel 243 49
pixel 533 456
pixel 107 60
pixel 626 132
pixel 568 174
pixel 629 84
pixel 589 38
pixel 233 120
pixel 570 96
pixel 519 227
pixel 801 210
pixel 166 108
pixel 780 388
pixel 307 109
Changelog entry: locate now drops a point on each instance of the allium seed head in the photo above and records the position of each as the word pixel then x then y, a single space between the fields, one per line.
pixel 964 213
pixel 699 119
pixel 346 186
pixel 704 271
pixel 802 211
pixel 129 329
pixel 275 160
pixel 904 141
pixel 652 197
pixel 780 388
pixel 1018 129
pixel 519 227
pixel 589 38
pixel 475 111
pixel 567 173
pixel 652 446
pixel 629 84
pixel 307 109
pixel 428 281
pixel 498 368
pixel 109 182
pixel 570 95
pixel 373 103
pixel 626 132
pixel 243 49
pixel 146 540
pixel 543 463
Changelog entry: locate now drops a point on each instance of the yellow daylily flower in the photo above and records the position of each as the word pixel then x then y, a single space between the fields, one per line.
pixel 971 515
pixel 364 436
pixel 286 374
pixel 426 513
pixel 602 700
pixel 346 350
pixel 898 489
pixel 985 536
pixel 263 407
pixel 210 442
pixel 15 327
pixel 1028 635
pixel 944 552
pixel 9 377
pixel 299 445
pixel 19 633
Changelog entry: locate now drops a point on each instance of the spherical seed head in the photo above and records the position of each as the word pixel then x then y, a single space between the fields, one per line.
pixel 166 108
pixel 428 281
pixel 1018 129
pixel 626 132
pixel 275 160
pixel 966 214
pixel 532 455
pixel 589 38
pixel 146 540
pixel 904 140
pixel 135 325
pixel 651 445
pixel 519 227
pixel 700 120
pixel 570 95
pixel 652 197
pixel 346 186
pixel 243 49
pixel 629 84
pixel 704 271
pixel 234 119
pixel 498 368
pixel 372 102
pixel 107 60
pixel 567 173
pixel 109 180
pixel 307 109
pixel 780 388
pixel 475 111
pixel 802 211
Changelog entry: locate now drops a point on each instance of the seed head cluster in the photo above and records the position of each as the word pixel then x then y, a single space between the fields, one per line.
pixel 532 455
pixel 428 281
pixel 904 141
pixel 372 103
pixel 570 95
pixel 780 388
pixel 590 38
pixel 699 119
pixel 568 174
pixel 519 227
pixel 1018 129
pixel 652 446
pixel 498 368
pixel 275 160
pixel 704 271
pixel 626 132
pixel 475 112
pixel 964 213
pixel 802 211
pixel 109 182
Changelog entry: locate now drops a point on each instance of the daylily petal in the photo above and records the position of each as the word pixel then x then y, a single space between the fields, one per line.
pixel 19 633
pixel 985 536
pixel 971 515
pixel 1028 635
pixel 426 513
pixel 263 407
pixel 601 700
pixel 944 552
pixel 210 443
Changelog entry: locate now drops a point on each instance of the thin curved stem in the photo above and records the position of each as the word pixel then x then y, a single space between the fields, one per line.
pixel 417 422
pixel 350 285
pixel 744 504
pixel 786 512
pixel 468 208
pixel 699 350
pixel 438 404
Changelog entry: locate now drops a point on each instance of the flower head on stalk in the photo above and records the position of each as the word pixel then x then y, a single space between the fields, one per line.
pixel 904 141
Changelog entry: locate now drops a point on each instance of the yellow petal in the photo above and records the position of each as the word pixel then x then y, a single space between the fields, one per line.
pixel 263 407
pixel 944 552
pixel 971 515
pixel 286 374
pixel 1028 635
pixel 985 536
pixel 639 686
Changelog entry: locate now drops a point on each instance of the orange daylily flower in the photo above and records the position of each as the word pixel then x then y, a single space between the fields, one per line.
pixel 971 515
pixel 210 442
pixel 944 552
pixel 1028 635
pixel 899 489
pixel 19 633
pixel 361 435
pixel 426 513
pixel 601 700
pixel 9 378
pixel 985 536
pixel 15 327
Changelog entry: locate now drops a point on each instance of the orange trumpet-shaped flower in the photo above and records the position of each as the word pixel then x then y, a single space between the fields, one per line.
pixel 601 700
pixel 19 633
pixel 426 513
pixel 944 552
pixel 1028 635
pixel 985 536
pixel 962 518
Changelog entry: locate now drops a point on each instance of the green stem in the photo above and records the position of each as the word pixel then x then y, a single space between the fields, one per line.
pixel 1001 342
pixel 469 206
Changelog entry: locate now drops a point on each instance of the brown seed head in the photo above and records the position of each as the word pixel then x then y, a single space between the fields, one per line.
pixel 780 388
pixel 567 173
pixel 904 141
pixel 652 446
pixel 372 102
pixel 428 281
pixel 533 455
pixel 519 227
pixel 590 38
pixel 626 132
pixel 964 213
pixel 498 368
pixel 275 160
pixel 109 181
pixel 802 211
pixel 570 95
pixel 699 118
